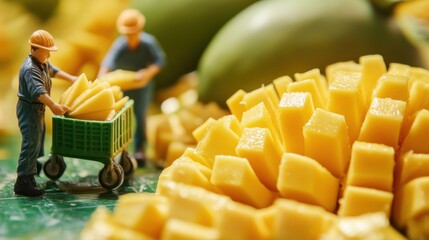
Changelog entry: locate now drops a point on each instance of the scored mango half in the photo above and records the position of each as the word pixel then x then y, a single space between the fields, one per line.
pixel 352 169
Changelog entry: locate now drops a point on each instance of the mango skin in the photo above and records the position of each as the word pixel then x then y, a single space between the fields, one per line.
pixel 281 37
pixel 184 28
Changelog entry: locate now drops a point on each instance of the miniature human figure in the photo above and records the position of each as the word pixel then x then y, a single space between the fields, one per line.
pixel 137 51
pixel 33 95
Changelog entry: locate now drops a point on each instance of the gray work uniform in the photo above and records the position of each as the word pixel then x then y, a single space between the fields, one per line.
pixel 34 80
pixel 120 56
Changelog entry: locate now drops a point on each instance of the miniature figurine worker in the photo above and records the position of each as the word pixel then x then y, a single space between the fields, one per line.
pixel 137 51
pixel 33 95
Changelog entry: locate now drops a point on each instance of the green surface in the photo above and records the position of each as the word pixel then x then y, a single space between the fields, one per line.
pixel 68 202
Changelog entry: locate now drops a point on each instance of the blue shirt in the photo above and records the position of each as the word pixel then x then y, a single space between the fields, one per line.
pixel 148 52
pixel 35 79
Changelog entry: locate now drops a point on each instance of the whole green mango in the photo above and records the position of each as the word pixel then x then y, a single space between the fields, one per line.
pixel 281 37
pixel 184 28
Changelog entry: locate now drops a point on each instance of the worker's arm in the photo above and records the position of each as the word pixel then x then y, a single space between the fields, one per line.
pixel 55 107
pixel 147 74
pixel 102 71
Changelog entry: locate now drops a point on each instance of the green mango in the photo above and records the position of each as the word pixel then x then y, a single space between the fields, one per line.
pixel 281 37
pixel 184 28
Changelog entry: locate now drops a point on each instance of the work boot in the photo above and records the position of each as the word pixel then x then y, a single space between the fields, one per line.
pixel 26 186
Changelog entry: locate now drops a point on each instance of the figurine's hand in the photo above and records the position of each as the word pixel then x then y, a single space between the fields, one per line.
pixel 58 109
pixel 141 75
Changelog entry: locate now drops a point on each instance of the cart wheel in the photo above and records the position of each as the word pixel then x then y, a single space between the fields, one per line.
pixel 109 178
pixel 127 163
pixel 54 167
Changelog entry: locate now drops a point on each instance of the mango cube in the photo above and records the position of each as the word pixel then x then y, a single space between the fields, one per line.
pixel 361 200
pixel 320 80
pixel 235 104
pixel 261 95
pixel 371 166
pixel 281 83
pixel 219 140
pixel 326 140
pixel 295 220
pixel 310 86
pixel 142 212
pixel 191 203
pixel 416 139
pixel 411 166
pixel 348 67
pixel 345 98
pixel 392 86
pixel 240 222
pixel 411 201
pixel 176 229
pixel 199 132
pixel 304 179
pixel 235 177
pixel 294 111
pixel 373 67
pixel 231 122
pixel 264 154
pixel 259 116
pixel 383 122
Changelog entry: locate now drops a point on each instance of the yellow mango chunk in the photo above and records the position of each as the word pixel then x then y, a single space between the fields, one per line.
pixel 64 96
pixel 272 94
pixel 411 201
pixel 348 67
pixel 191 153
pixel 320 80
pixel 126 80
pixel 366 226
pixel 219 140
pixel 103 115
pixel 77 88
pixel 361 200
pixel 383 122
pixel 174 151
pixel 235 177
pixel 280 84
pixel 191 203
pixel 88 93
pixel 264 155
pixel 373 67
pixel 418 227
pixel 142 212
pixel 310 86
pixel 231 122
pixel 102 101
pixel 371 166
pixel 326 140
pixel 185 170
pixel 305 180
pixel 102 225
pixel 201 130
pixel 176 229
pixel 295 220
pixel 392 86
pixel 345 98
pixel 259 95
pixel 399 69
pixel 259 116
pixel 120 104
pixel 417 137
pixel 295 109
pixel 240 222
pixel 235 104
pixel 117 92
pixel 411 166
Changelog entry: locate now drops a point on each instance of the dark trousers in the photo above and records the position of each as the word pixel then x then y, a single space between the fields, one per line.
pixel 31 122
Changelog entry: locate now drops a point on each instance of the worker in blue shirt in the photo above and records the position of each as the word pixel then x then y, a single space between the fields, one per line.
pixel 33 95
pixel 137 51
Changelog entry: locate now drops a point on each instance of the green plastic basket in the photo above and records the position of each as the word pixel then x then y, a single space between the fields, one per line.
pixel 93 140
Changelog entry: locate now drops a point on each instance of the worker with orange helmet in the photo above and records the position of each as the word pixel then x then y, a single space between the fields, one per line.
pixel 137 51
pixel 33 95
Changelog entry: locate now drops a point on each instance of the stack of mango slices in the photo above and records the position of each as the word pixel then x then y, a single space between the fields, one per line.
pixel 94 100
pixel 337 156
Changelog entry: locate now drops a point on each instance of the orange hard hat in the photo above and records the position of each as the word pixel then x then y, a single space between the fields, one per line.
pixel 42 39
pixel 130 21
